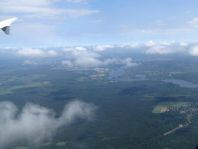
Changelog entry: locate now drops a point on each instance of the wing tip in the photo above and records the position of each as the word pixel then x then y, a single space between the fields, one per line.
pixel 8 23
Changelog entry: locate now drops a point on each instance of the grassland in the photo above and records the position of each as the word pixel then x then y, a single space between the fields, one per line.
pixel 10 90
pixel 15 83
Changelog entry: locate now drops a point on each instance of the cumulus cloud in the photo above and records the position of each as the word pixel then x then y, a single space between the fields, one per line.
pixel 88 58
pixel 159 49
pixel 29 52
pixel 103 47
pixel 164 48
pixel 70 49
pixel 194 51
pixel 83 59
pixel 35 123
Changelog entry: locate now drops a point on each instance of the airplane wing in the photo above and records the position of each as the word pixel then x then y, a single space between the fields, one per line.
pixel 5 25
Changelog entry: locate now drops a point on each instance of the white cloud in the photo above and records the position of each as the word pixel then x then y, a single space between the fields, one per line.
pixel 164 48
pixel 43 8
pixel 88 58
pixel 35 123
pixel 194 22
pixel 81 57
pixel 70 49
pixel 194 51
pixel 67 63
pixel 76 1
pixel 29 52
pixel 102 47
pixel 150 43
pixel 159 49
pixel 52 53
pixel 128 62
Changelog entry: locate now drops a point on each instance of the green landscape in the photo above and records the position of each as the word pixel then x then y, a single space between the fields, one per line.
pixel 141 111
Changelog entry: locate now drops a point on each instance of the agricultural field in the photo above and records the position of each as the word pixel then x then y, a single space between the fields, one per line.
pixel 164 107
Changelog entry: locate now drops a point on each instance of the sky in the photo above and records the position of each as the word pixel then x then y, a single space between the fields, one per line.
pixel 51 23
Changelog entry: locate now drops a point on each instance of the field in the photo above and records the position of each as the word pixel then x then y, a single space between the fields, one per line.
pixel 19 83
pixel 169 106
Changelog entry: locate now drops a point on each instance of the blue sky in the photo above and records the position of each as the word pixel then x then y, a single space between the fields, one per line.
pixel 45 23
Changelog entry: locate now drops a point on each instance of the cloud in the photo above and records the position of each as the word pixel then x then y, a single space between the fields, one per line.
pixel 43 8
pixel 70 49
pixel 164 48
pixel 81 57
pixel 194 51
pixel 35 123
pixel 76 1
pixel 29 52
pixel 88 58
pixel 103 47
pixel 158 49
pixel 194 22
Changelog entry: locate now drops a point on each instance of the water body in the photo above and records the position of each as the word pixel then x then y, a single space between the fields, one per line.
pixel 182 83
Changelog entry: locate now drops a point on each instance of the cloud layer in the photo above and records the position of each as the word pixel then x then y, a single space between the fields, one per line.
pixel 29 52
pixel 88 58
pixel 35 123
pixel 45 8
pixel 105 56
